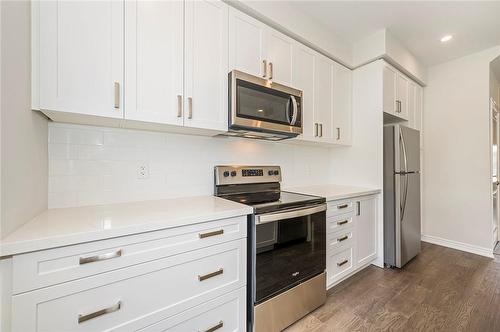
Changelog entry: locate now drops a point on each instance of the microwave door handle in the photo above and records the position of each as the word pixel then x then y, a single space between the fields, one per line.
pixel 287 110
pixel 295 110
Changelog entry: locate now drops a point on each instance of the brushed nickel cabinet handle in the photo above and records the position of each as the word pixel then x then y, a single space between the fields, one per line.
pixel 359 208
pixel 190 106
pixel 113 308
pixel 210 275
pixel 264 72
pixel 320 130
pixel 343 262
pixel 343 238
pixel 316 126
pixel 209 234
pixel 343 206
pixel 102 257
pixel 338 133
pixel 179 106
pixel 216 327
pixel 343 222
pixel 117 95
pixel 271 71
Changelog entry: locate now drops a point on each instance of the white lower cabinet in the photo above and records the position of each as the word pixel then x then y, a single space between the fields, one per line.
pixel 225 313
pixel 351 237
pixel 195 290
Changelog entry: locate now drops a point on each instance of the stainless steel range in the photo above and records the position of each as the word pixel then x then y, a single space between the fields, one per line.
pixel 286 245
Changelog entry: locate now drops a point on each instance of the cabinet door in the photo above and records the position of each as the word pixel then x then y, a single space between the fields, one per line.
pixel 366 230
pixel 303 79
pixel 206 64
pixel 389 90
pixel 323 98
pixel 278 53
pixel 419 113
pixel 412 103
pixel 81 57
pixel 246 44
pixel 154 61
pixel 402 84
pixel 342 107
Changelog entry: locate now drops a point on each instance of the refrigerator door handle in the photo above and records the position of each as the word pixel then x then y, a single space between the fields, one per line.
pixel 405 195
pixel 405 161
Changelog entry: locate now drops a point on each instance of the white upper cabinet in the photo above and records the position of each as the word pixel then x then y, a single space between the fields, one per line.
pixel 323 98
pixel 278 54
pixel 154 61
pixel 246 42
pixel 79 54
pixel 342 105
pixel 396 93
pixel 389 87
pixel 327 94
pixel 402 96
pixel 303 79
pixel 206 65
pixel 259 50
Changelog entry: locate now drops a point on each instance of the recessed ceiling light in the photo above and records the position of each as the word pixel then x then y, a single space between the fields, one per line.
pixel 446 38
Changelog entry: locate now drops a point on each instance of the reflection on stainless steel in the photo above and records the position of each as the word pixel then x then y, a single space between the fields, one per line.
pixel 284 309
pixel 261 126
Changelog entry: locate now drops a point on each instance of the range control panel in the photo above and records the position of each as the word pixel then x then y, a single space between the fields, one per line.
pixel 246 174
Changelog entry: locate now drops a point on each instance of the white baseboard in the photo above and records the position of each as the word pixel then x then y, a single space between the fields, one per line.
pixel 458 245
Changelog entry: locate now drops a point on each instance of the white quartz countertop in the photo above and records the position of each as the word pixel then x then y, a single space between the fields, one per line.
pixel 68 226
pixel 333 192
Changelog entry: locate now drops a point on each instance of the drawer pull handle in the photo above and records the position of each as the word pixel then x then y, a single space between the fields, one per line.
pixel 343 222
pixel 83 318
pixel 209 234
pixel 343 262
pixel 343 238
pixel 216 327
pixel 210 275
pixel 97 258
pixel 343 206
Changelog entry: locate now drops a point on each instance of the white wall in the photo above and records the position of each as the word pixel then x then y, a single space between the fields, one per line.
pixel 293 22
pixel 24 133
pixel 96 165
pixel 382 45
pixel 457 181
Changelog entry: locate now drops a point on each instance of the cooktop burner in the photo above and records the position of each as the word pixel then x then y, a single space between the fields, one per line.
pixel 259 187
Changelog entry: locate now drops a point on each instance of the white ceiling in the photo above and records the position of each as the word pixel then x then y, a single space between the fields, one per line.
pixel 419 25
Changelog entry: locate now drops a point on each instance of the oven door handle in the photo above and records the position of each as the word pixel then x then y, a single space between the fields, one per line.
pixel 288 214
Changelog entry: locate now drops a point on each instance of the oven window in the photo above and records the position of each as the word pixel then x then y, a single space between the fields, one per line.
pixel 288 252
pixel 261 103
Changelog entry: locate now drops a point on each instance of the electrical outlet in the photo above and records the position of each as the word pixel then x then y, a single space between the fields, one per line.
pixel 143 171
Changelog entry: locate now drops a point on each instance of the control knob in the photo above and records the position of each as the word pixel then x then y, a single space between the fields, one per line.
pixel 233 173
pixel 226 174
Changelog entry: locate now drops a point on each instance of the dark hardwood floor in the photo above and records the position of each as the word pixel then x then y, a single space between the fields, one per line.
pixel 440 290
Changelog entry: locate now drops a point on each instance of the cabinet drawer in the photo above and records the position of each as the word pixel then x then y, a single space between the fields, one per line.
pixel 225 313
pixel 339 207
pixel 136 296
pixel 340 264
pixel 49 267
pixel 339 241
pixel 340 222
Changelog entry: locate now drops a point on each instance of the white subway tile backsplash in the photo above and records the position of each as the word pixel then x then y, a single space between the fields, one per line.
pixel 93 165
pixel 72 135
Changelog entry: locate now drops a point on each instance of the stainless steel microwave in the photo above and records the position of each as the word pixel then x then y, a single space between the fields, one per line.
pixel 259 108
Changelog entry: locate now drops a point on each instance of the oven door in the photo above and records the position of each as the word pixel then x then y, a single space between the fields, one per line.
pixel 289 248
pixel 261 105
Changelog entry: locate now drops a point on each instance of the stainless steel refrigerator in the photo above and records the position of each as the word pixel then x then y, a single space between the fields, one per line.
pixel 401 195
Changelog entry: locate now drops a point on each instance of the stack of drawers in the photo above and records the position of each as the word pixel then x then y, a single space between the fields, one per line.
pixel 190 278
pixel 341 239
